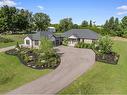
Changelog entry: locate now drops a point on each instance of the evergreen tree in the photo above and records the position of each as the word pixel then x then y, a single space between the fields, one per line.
pixel 91 23
pixel 124 22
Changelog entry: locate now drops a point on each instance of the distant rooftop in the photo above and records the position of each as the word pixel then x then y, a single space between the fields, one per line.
pixel 52 27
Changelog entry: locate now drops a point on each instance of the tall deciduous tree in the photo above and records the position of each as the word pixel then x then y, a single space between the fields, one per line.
pixel 14 20
pixel 41 20
pixel 22 20
pixel 66 24
pixel 75 26
pixel 85 23
pixel 6 18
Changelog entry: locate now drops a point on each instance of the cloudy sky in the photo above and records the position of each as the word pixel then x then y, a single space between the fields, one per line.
pixel 78 10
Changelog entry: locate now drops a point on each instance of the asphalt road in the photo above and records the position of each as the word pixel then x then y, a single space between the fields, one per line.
pixel 74 62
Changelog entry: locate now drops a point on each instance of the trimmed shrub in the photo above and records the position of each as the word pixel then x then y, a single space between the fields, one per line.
pixel 65 41
pixel 104 45
pixel 84 45
pixel 17 46
pixel 46 45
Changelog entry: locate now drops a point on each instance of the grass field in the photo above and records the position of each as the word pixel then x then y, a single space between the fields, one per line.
pixel 16 38
pixel 103 78
pixel 14 74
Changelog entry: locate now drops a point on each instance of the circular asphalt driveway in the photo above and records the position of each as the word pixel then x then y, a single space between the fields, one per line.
pixel 74 62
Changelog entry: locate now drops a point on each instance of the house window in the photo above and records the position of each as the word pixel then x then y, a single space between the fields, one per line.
pixel 27 42
pixel 36 43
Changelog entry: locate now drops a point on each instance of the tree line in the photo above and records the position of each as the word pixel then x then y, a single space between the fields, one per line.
pixel 13 20
pixel 116 27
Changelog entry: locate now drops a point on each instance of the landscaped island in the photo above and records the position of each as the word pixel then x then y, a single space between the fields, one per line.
pixel 43 58
pixel 103 78
pixel 38 63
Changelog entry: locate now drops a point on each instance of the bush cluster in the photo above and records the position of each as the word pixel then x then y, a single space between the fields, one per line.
pixel 42 58
pixel 84 45
pixel 5 40
pixel 102 49
pixel 65 41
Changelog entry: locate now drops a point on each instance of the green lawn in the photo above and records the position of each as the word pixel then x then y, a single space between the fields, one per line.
pixel 16 38
pixel 103 78
pixel 14 74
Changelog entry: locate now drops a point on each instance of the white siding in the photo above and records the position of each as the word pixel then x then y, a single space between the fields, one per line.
pixel 30 45
pixel 81 40
pixel 72 40
pixel 72 37
pixel 88 41
pixel 36 46
pixel 72 43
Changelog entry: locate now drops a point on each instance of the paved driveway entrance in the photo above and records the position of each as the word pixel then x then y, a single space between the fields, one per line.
pixel 74 62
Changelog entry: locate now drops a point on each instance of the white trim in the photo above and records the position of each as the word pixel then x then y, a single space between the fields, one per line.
pixel 25 39
pixel 72 37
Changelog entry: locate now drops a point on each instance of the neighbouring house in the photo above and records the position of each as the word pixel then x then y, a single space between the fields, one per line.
pixel 51 29
pixel 34 40
pixel 80 35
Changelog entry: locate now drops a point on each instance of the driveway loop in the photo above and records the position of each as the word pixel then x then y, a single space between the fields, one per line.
pixel 74 62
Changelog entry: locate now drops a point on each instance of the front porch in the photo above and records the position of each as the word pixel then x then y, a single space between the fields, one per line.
pixel 72 40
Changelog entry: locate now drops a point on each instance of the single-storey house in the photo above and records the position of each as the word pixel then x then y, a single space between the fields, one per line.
pixel 34 40
pixel 80 35
pixel 74 36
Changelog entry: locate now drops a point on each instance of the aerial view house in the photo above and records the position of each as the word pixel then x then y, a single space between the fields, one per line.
pixel 34 40
pixel 63 47
pixel 74 36
pixel 80 35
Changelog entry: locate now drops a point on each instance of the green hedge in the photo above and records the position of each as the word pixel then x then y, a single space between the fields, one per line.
pixel 84 45
pixel 5 40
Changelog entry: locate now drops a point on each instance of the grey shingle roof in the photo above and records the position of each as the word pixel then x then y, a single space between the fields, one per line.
pixel 42 34
pixel 82 33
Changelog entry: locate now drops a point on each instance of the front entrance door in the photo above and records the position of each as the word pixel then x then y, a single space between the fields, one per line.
pixel 72 42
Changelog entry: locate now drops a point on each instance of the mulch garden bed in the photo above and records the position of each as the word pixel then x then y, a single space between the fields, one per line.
pixel 31 63
pixel 111 58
